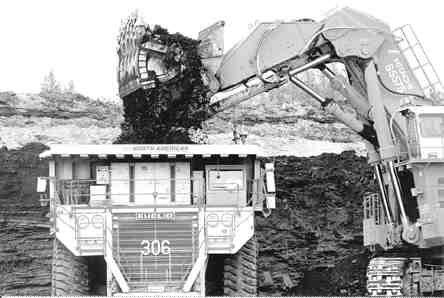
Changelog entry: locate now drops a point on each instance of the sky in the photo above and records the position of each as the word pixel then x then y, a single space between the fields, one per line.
pixel 77 39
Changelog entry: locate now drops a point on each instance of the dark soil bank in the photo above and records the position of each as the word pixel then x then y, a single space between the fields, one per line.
pixel 25 260
pixel 310 245
pixel 25 248
pixel 18 171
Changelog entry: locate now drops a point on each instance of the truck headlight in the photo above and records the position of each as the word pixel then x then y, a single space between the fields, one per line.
pixel 212 219
pixel 82 221
pixel 97 221
pixel 227 220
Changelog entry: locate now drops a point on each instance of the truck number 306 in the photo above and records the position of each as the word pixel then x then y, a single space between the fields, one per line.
pixel 155 247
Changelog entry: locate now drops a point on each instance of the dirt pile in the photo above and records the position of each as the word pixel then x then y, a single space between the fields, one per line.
pixel 312 242
pixel 166 113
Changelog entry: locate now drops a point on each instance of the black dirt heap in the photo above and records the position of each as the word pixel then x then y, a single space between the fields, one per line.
pixel 312 243
pixel 166 113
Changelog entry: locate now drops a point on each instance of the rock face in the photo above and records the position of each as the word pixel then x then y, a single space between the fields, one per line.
pixel 55 105
pixel 283 122
pixel 314 236
pixel 25 260
pixel 25 244
pixel 56 118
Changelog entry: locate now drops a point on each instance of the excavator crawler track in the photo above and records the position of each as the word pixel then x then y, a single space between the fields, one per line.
pixel 385 276
pixel 404 276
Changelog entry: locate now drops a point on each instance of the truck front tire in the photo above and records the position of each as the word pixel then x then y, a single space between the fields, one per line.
pixel 240 271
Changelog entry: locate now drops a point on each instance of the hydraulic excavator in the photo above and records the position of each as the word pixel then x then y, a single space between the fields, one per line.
pixel 392 89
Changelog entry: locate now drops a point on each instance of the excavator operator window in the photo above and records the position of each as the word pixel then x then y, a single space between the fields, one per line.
pixel 432 125
pixel 413 141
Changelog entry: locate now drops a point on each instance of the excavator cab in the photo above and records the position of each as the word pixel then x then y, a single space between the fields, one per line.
pixel 426 132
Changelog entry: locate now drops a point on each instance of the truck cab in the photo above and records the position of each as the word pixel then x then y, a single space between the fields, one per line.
pixel 155 212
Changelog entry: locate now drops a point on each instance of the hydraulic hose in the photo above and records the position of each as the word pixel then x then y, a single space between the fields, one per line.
pixel 394 91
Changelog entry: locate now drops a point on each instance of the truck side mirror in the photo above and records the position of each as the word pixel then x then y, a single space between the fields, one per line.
pixel 271 201
pixel 41 184
pixel 269 177
pixel 271 187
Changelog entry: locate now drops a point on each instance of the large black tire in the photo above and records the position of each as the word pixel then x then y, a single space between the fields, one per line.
pixel 69 272
pixel 240 271
pixel 214 277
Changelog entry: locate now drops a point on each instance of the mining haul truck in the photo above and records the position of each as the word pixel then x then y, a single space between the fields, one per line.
pixel 390 86
pixel 153 219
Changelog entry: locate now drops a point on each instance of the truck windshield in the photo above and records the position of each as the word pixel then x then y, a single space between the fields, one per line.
pixel 226 179
pixel 432 125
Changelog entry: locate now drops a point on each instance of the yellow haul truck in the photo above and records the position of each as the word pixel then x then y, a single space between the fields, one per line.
pixel 148 219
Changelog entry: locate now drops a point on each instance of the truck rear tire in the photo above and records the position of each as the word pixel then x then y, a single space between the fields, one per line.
pixel 240 271
pixel 69 272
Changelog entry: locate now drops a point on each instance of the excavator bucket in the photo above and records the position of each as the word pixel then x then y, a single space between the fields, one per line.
pixel 144 57
pixel 211 51
pixel 147 57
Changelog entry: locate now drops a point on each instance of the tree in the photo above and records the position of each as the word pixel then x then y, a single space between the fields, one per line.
pixel 70 88
pixel 50 84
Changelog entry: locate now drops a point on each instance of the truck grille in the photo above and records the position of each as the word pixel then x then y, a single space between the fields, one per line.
pixel 155 249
